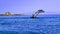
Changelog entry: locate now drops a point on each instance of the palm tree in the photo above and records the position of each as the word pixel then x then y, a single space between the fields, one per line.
pixel 36 13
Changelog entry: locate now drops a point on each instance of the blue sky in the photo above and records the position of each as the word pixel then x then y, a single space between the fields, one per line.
pixel 30 6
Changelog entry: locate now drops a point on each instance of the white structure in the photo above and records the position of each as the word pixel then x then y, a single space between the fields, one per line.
pixel 7 13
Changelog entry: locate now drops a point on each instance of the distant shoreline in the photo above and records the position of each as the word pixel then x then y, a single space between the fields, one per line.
pixel 12 15
pixel 25 14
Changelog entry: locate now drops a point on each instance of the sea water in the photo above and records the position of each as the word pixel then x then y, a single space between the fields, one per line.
pixel 48 24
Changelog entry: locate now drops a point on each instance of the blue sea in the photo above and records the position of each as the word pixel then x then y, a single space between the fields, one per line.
pixel 44 24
